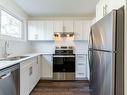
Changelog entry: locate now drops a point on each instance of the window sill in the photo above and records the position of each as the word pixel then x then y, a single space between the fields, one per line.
pixel 3 37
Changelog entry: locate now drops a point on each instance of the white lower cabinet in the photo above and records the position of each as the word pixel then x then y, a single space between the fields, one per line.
pixel 81 66
pixel 39 65
pixel 29 75
pixel 24 80
pixel 47 67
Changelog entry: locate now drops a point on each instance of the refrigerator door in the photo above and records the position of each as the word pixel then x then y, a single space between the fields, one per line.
pixel 102 73
pixel 90 45
pixel 103 33
pixel 90 59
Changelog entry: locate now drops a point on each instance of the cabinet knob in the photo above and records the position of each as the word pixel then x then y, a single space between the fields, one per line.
pixel 36 36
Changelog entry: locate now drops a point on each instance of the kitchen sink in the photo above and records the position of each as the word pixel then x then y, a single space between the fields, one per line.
pixel 14 58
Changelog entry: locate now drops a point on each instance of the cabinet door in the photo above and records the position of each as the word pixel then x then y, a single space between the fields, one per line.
pixel 68 26
pixel 31 77
pixel 39 67
pixel 100 9
pixel 58 26
pixel 112 4
pixel 36 30
pixel 47 67
pixel 24 80
pixel 78 27
pixel 48 34
pixel 81 66
pixel 86 29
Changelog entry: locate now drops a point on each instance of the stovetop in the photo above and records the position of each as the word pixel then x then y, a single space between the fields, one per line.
pixel 64 50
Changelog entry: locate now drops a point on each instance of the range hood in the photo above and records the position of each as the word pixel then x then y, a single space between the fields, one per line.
pixel 63 34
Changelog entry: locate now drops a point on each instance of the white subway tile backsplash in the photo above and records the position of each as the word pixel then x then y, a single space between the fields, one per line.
pixel 15 47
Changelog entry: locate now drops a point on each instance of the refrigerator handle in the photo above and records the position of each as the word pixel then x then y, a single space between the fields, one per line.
pixel 89 59
pixel 90 40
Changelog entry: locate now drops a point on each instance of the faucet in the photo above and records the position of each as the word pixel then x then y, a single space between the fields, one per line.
pixel 6 44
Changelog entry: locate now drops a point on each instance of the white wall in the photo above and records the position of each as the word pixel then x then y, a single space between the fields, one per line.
pixel 15 47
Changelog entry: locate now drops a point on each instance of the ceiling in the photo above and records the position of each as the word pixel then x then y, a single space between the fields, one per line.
pixel 58 7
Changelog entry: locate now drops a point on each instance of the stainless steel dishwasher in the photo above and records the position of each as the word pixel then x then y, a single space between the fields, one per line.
pixel 10 80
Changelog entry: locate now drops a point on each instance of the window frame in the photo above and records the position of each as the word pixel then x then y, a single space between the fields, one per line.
pixel 7 37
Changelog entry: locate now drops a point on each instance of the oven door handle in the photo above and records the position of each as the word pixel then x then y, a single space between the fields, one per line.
pixel 63 56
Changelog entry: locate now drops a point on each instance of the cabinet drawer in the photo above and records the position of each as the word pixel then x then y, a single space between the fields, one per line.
pixel 81 64
pixel 80 74
pixel 31 60
pixel 80 68
pixel 82 56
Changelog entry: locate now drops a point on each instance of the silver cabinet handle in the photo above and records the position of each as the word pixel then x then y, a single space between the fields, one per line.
pixel 103 10
pixel 5 76
pixel 30 71
pixel 81 73
pixel 36 36
pixel 81 64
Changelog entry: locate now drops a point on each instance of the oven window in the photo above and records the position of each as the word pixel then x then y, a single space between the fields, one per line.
pixel 63 64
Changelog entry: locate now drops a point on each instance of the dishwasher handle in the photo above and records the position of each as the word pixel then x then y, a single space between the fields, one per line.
pixel 5 76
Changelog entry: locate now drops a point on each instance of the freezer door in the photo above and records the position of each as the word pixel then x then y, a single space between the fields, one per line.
pixel 102 73
pixel 103 33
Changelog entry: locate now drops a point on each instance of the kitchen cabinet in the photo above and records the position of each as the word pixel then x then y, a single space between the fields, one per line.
pixel 36 30
pixel 44 30
pixel 63 26
pixel 100 12
pixel 68 26
pixel 49 33
pixel 82 29
pixel 40 30
pixel 81 66
pixel 86 29
pixel 39 65
pixel 78 26
pixel 47 66
pixel 58 26
pixel 112 4
pixel 24 79
pixel 29 75
pixel 106 6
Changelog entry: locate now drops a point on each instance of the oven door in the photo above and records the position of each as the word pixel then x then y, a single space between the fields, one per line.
pixel 64 67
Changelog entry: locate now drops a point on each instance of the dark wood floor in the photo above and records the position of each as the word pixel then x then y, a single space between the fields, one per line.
pixel 61 88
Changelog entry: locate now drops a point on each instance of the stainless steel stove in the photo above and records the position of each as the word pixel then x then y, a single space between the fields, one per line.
pixel 64 63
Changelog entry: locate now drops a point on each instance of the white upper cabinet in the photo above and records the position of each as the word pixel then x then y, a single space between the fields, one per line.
pixel 106 6
pixel 78 29
pixel 68 26
pixel 86 29
pixel 82 29
pixel 63 26
pixel 48 34
pixel 58 26
pixel 44 30
pixel 113 4
pixel 100 10
pixel 40 30
pixel 36 30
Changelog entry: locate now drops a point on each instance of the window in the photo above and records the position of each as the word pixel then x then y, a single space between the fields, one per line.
pixel 10 26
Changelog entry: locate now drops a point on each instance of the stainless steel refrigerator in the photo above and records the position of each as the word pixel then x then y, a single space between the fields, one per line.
pixel 106 55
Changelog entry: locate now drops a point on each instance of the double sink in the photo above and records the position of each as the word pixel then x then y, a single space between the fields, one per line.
pixel 13 58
